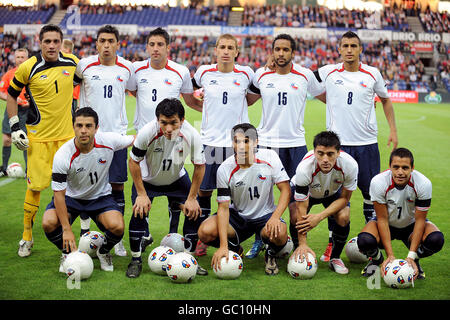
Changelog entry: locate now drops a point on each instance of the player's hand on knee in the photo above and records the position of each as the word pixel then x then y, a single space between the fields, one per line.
pixel 192 209
pixel 18 136
pixel 69 243
pixel 218 255
pixel 273 228
pixel 309 222
pixel 141 206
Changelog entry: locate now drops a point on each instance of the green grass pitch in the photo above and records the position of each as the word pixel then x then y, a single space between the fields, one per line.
pixel 422 128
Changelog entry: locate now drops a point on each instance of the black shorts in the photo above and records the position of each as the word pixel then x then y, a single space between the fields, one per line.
pixel 246 228
pixel 91 208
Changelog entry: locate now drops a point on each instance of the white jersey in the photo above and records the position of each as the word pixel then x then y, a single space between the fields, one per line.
pixel 103 89
pixel 163 158
pixel 224 102
pixel 401 203
pixel 283 105
pixel 350 102
pixel 152 86
pixel 251 189
pixel 86 175
pixel 320 185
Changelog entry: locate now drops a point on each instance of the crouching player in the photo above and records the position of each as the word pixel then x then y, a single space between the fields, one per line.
pixel 325 176
pixel 157 166
pixel 246 180
pixel 80 185
pixel 402 198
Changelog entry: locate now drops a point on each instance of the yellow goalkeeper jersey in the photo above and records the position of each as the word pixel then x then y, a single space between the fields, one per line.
pixel 50 87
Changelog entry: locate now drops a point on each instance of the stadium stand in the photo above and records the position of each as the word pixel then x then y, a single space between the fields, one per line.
pixel 397 62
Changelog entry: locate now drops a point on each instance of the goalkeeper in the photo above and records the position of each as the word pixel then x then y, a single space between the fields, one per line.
pixel 48 78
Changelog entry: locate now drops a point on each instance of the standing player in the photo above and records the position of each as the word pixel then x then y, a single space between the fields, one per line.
pixel 20 55
pixel 48 80
pixel 156 79
pixel 283 92
pixel 325 176
pixel 105 77
pixel 80 184
pixel 67 47
pixel 350 91
pixel 157 166
pixel 225 87
pixel 402 198
pixel 246 204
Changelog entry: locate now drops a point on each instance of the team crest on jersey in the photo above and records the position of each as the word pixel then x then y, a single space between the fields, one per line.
pixel 409 199
pixel 95 77
pixel 339 82
pixel 101 161
pixel 119 78
pixel 337 181
pixel 236 83
pixel 363 84
pixel 166 81
pixel 261 177
pixel 66 73
pixel 270 86
pixel 293 86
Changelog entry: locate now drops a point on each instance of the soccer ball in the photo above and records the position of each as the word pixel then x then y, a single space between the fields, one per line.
pixel 287 249
pixel 302 270
pixel 232 269
pixel 182 267
pixel 157 260
pixel 353 253
pixel 398 274
pixel 90 242
pixel 14 170
pixel 78 265
pixel 174 241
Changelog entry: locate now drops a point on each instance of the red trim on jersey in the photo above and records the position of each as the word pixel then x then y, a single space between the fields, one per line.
pixel 76 154
pixel 121 65
pixel 241 71
pixel 411 184
pixel 96 63
pixel 315 172
pixel 338 70
pixel 392 186
pixel 262 161
pixel 172 69
pixel 101 146
pixel 209 70
pixel 159 135
pixel 265 73
pixel 234 171
pixel 365 71
pixel 143 67
pixel 339 169
pixel 311 155
pixel 298 73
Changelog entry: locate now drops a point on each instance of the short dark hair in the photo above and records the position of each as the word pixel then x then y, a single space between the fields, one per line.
pixel 247 129
pixel 349 35
pixel 86 112
pixel 401 153
pixel 327 139
pixel 159 32
pixel 108 29
pixel 50 28
pixel 169 108
pixel 285 36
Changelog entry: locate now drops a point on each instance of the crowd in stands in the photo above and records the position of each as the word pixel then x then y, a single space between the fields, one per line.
pixel 404 71
pixel 397 63
pixel 322 17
